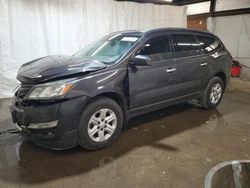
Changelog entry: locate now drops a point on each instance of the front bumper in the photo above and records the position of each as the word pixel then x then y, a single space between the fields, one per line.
pixel 60 118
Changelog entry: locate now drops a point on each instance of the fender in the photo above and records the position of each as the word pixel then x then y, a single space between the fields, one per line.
pixel 103 83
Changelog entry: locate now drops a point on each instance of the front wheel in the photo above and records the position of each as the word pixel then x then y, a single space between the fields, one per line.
pixel 100 124
pixel 213 93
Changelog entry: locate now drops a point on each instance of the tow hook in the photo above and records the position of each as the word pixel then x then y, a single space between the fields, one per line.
pixel 22 128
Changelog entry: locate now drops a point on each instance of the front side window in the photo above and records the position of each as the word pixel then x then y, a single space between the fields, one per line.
pixel 157 48
pixel 185 45
pixel 208 44
pixel 108 49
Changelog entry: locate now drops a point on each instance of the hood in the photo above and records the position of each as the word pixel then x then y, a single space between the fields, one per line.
pixel 53 67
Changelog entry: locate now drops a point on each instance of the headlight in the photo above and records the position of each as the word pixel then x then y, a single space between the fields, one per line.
pixel 52 89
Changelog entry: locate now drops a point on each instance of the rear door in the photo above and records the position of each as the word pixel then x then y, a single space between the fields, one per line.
pixel 190 62
pixel 149 85
pixel 214 56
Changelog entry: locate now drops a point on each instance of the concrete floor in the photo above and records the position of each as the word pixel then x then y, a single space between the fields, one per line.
pixel 174 147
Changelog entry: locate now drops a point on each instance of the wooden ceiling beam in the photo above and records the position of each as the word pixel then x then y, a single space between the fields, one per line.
pixel 174 2
pixel 223 13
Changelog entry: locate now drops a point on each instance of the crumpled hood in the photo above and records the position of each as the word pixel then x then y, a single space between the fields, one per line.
pixel 52 67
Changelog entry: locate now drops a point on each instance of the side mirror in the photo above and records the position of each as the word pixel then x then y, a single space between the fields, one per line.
pixel 141 60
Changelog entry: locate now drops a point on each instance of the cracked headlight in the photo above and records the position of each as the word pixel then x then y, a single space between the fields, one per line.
pixel 51 89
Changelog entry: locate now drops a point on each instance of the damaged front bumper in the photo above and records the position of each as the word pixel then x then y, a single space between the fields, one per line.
pixel 51 124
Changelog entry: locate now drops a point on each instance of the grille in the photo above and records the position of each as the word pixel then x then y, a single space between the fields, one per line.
pixel 23 90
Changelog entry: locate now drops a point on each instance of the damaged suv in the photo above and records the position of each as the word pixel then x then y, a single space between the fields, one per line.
pixel 86 98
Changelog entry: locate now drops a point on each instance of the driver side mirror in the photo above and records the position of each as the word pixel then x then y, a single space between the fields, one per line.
pixel 141 60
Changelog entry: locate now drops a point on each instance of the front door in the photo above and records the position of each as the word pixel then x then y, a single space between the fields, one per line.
pixel 150 85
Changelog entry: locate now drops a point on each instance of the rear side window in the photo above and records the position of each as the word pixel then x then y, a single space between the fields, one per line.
pixel 185 45
pixel 157 48
pixel 208 44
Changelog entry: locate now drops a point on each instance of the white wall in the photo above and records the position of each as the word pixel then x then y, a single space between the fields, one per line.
pixel 198 8
pixel 34 28
pixel 231 4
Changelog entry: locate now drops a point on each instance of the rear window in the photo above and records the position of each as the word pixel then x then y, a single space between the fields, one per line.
pixel 185 45
pixel 208 44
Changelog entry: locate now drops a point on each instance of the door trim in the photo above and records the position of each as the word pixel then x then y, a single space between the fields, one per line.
pixel 163 104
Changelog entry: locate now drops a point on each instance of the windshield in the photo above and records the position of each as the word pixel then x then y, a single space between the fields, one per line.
pixel 108 49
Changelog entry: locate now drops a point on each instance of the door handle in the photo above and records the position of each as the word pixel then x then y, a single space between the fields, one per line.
pixel 203 64
pixel 169 70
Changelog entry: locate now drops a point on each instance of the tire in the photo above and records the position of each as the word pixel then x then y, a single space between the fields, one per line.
pixel 208 100
pixel 94 132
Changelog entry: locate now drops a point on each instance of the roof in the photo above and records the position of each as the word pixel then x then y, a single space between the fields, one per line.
pixel 173 29
pixel 169 30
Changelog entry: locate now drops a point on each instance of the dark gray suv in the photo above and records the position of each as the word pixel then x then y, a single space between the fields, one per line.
pixel 86 98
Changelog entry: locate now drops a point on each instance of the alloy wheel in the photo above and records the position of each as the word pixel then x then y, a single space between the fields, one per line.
pixel 102 125
pixel 216 93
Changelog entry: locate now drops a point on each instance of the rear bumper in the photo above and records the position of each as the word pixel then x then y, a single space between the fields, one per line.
pixel 51 125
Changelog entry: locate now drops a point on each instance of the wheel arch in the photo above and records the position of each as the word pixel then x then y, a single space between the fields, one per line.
pixel 117 97
pixel 222 76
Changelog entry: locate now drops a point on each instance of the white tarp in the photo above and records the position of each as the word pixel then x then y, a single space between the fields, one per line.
pixel 31 29
pixel 234 31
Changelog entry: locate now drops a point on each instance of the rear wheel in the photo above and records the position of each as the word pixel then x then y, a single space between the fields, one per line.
pixel 100 124
pixel 213 93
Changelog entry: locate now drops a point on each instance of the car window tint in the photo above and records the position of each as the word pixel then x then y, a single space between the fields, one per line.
pixel 185 45
pixel 208 44
pixel 157 48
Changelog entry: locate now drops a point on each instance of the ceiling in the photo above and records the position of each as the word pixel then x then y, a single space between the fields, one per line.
pixel 174 2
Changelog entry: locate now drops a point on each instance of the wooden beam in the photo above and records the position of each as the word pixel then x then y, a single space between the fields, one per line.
pixel 188 2
pixel 223 13
pixel 231 12
pixel 199 15
pixel 212 6
pixel 162 2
